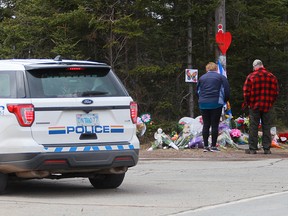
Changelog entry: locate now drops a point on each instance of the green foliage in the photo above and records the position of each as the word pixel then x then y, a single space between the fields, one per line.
pixel 146 43
pixel 145 69
pixel 258 30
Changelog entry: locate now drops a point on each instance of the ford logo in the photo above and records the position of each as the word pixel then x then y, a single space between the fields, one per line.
pixel 87 101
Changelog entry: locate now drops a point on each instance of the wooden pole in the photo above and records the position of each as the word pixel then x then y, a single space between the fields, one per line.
pixel 220 19
pixel 220 25
pixel 189 63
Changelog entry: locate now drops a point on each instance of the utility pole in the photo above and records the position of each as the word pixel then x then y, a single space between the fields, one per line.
pixel 189 30
pixel 223 39
pixel 220 19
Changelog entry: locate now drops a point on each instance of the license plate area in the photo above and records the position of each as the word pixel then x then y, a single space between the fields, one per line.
pixel 87 119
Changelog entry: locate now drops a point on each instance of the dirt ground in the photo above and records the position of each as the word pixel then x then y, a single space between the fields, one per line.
pixel 224 154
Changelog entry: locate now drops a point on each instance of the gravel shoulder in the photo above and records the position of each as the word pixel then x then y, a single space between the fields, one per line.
pixel 198 154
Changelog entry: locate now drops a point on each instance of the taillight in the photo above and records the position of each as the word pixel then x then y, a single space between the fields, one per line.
pixel 75 68
pixel 133 111
pixel 23 112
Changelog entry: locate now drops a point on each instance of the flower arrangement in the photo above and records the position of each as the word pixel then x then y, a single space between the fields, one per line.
pixel 235 133
pixel 146 118
pixel 242 123
pixel 142 121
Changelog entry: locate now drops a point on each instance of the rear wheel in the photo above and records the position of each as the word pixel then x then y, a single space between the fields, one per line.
pixel 3 182
pixel 107 181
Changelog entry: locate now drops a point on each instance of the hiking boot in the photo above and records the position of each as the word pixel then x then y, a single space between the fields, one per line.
pixel 207 149
pixel 267 151
pixel 250 151
pixel 215 149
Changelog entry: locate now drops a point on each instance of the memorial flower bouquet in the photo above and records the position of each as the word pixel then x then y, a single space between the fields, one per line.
pixel 242 123
pixel 235 134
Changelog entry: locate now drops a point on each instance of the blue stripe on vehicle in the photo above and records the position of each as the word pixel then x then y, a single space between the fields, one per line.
pixel 57 132
pixel 58 149
pixel 73 149
pixel 117 130
pixel 89 148
pixel 108 147
pixel 95 148
pixel 120 147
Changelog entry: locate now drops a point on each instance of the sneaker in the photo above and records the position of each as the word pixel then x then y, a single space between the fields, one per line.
pixel 207 149
pixel 250 151
pixel 215 149
pixel 267 151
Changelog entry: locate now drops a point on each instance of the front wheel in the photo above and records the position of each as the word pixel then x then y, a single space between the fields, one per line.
pixel 107 181
pixel 3 182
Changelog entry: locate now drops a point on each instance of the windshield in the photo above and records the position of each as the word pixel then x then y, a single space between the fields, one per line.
pixel 78 82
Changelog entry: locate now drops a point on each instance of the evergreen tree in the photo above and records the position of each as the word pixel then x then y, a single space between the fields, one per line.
pixel 146 43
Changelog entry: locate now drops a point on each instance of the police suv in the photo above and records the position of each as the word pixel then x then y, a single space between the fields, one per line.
pixel 65 118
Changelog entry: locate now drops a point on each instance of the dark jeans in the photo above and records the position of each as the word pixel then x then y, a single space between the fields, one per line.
pixel 211 118
pixel 255 116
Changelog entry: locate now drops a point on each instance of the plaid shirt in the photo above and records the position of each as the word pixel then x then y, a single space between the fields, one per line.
pixel 260 90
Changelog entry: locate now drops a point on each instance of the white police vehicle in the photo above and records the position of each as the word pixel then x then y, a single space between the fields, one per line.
pixel 65 118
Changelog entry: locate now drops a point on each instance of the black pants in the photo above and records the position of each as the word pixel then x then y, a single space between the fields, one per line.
pixel 211 118
pixel 255 116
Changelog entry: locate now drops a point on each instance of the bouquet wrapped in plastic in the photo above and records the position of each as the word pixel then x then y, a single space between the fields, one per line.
pixel 196 142
pixel 162 141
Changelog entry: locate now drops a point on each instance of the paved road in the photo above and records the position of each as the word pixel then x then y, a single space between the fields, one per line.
pixel 162 187
pixel 265 205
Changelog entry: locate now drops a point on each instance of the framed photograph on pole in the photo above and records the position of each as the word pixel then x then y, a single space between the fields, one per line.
pixel 191 75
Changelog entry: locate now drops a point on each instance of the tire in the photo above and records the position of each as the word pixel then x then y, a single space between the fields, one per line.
pixel 3 182
pixel 107 181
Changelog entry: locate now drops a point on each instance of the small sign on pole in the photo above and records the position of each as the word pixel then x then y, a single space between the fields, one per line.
pixel 191 75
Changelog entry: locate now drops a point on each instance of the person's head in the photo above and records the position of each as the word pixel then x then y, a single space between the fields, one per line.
pixel 211 66
pixel 257 64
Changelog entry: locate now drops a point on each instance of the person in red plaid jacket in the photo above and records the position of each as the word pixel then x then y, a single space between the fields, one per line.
pixel 260 91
